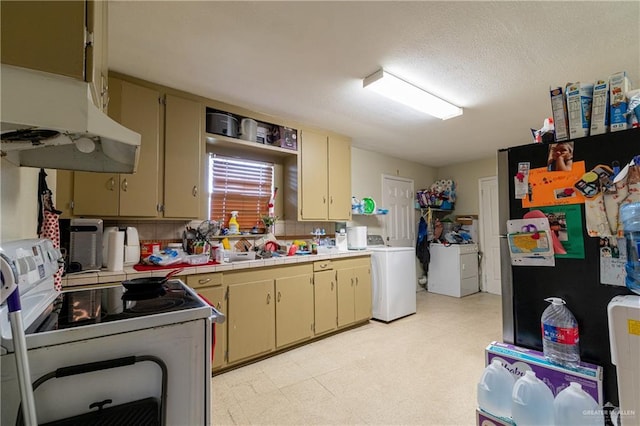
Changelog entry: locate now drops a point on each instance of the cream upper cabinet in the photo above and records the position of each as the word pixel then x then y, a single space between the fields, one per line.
pixel 325 177
pixel 61 37
pixel 183 158
pixel 135 195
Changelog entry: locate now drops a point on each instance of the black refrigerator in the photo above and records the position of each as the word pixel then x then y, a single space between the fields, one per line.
pixel 576 280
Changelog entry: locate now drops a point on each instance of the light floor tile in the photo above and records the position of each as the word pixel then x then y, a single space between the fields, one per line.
pixel 419 370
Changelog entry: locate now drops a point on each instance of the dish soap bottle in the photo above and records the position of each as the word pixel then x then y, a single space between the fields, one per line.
pixel 234 227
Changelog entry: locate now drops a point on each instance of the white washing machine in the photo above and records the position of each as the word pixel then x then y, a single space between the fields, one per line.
pixel 393 280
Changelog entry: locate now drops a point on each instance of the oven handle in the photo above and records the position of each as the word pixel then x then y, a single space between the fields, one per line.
pixel 104 365
pixel 216 317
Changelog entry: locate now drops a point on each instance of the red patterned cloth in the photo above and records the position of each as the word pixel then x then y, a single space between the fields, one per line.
pixel 51 230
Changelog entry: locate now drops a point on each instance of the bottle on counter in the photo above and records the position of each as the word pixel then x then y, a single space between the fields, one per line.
pixel 234 227
pixel 560 338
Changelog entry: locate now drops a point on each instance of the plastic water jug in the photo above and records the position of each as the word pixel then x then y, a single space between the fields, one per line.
pixel 560 336
pixel 630 219
pixel 494 390
pixel 531 401
pixel 574 407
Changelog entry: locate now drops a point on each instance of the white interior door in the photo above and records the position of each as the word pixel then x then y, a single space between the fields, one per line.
pixel 489 235
pixel 397 196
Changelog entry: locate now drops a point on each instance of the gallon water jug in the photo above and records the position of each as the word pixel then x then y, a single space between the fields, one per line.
pixel 630 219
pixel 560 334
pixel 531 401
pixel 494 390
pixel 574 407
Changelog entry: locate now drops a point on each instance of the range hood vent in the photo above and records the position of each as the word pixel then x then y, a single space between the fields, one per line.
pixel 50 121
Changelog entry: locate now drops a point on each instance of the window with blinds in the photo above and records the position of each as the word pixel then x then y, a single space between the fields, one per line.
pixel 240 185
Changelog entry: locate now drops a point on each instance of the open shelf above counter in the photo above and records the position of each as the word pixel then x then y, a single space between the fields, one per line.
pixel 229 143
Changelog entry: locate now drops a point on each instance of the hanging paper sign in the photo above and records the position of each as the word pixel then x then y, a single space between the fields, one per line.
pixel 613 257
pixel 554 188
pixel 566 223
pixel 530 242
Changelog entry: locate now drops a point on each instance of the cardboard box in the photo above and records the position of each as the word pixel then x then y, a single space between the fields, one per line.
pixel 559 113
pixel 619 85
pixel 485 419
pixel 519 360
pixel 600 108
pixel 579 99
pixel 284 137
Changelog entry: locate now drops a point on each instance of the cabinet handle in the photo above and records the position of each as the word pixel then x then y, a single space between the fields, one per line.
pixel 204 280
pixel 268 298
pixel 219 306
pixel 351 282
pixel 331 200
pixel 331 285
pixel 356 281
pixel 194 191
pixel 279 297
pixel 112 184
pixel 323 265
pixel 324 200
pixel 125 185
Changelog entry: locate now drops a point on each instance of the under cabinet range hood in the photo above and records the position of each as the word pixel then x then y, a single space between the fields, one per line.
pixel 50 121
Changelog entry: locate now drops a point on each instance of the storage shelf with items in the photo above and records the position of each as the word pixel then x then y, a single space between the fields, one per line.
pixel 441 195
pixel 235 131
pixel 366 207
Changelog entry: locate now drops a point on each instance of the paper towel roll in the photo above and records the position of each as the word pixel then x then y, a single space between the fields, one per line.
pixel 115 261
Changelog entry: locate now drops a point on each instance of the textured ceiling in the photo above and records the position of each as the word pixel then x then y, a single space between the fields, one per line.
pixel 305 61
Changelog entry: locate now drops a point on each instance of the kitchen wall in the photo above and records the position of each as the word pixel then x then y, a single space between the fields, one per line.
pixel 466 176
pixel 18 197
pixel 19 201
pixel 367 168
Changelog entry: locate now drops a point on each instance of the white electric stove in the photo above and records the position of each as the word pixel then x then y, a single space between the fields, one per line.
pixel 121 330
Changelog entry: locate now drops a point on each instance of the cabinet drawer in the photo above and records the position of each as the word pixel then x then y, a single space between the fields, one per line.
pixel 322 265
pixel 204 280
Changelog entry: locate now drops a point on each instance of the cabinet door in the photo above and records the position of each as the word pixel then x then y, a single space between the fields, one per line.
pixel 215 295
pixel 362 293
pixel 251 319
pixel 95 194
pixel 339 175
pixel 103 194
pixel 325 301
pixel 313 176
pixel 183 158
pixel 97 70
pixel 44 35
pixel 294 309
pixel 140 112
pixel 346 301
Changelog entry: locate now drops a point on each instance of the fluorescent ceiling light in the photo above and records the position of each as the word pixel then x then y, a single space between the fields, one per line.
pixel 406 93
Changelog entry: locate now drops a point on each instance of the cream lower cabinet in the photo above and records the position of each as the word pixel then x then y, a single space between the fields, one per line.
pixel 324 177
pixel 294 308
pixel 325 301
pixel 354 290
pixel 251 320
pixel 136 195
pixel 210 287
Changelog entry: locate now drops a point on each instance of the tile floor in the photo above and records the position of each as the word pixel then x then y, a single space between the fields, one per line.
pixel 419 370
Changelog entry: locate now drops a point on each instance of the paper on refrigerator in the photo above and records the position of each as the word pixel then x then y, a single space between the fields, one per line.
pixel 530 242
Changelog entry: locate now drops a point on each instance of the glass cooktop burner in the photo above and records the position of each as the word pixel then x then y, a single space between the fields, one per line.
pixel 93 306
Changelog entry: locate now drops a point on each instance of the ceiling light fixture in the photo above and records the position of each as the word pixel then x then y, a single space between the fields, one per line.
pixel 406 93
